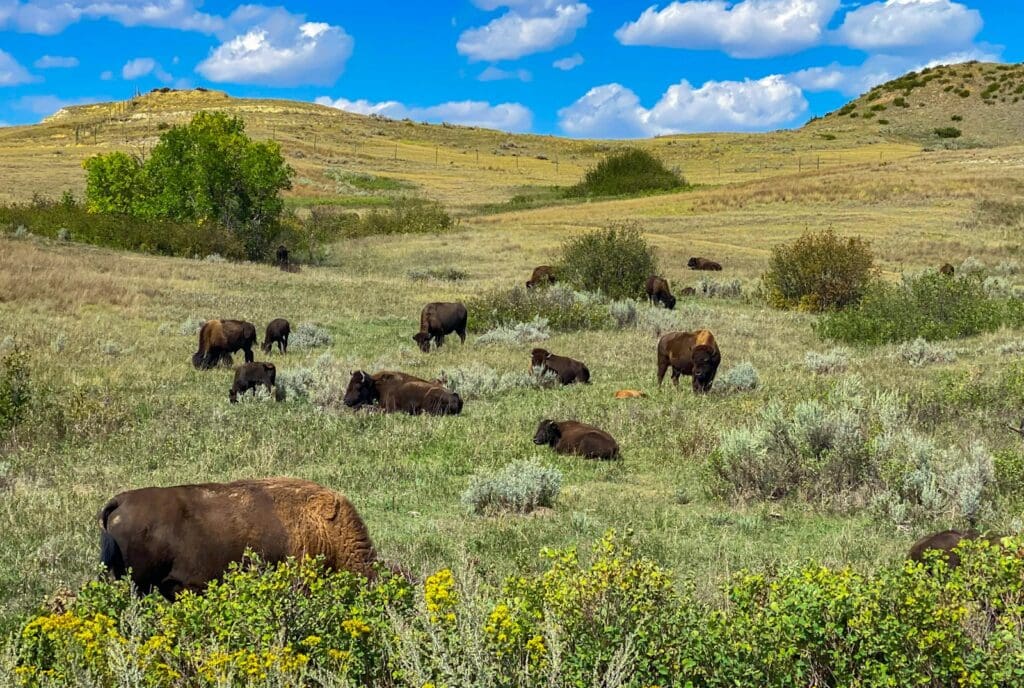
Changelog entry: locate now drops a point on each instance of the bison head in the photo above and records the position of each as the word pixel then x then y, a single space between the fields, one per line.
pixel 423 340
pixel 669 301
pixel 693 262
pixel 538 356
pixel 265 346
pixel 705 365
pixel 547 433
pixel 530 284
pixel 361 391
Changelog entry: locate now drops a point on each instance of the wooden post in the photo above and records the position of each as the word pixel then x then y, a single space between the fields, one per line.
pixel 435 156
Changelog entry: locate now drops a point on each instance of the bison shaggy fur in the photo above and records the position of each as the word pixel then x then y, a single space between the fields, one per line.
pixel 218 339
pixel 689 353
pixel 277 331
pixel 697 263
pixel 571 437
pixel 542 275
pixel 180 538
pixel 568 370
pixel 658 292
pixel 439 319
pixel 401 392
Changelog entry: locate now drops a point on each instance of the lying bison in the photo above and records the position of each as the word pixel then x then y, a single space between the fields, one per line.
pixel 947 270
pixel 250 376
pixel 543 275
pixel 570 437
pixel 439 319
pixel 218 339
pixel 658 292
pixel 568 370
pixel 696 263
pixel 689 353
pixel 180 538
pixel 400 392
pixel 277 332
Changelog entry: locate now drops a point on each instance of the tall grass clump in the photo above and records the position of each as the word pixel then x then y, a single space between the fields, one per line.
pixel 15 389
pixel 819 272
pixel 563 310
pixel 713 289
pixel 920 352
pixel 615 261
pixel 828 362
pixel 930 306
pixel 630 171
pixel 518 488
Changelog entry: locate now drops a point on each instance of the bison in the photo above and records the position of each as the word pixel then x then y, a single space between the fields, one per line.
pixel 630 394
pixel 696 263
pixel 218 339
pixel 570 437
pixel 439 319
pixel 688 291
pixel 947 542
pixel 543 275
pixel 689 353
pixel 947 270
pixel 658 292
pixel 400 392
pixel 250 376
pixel 277 331
pixel 282 259
pixel 568 370
pixel 180 538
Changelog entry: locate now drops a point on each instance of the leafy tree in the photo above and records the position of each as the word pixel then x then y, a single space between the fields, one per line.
pixel 112 183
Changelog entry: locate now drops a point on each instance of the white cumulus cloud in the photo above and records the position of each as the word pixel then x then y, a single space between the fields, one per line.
pixel 748 29
pixel 49 17
pixel 612 110
pixel 896 25
pixel 11 72
pixel 56 62
pixel 474 113
pixel 143 66
pixel 49 104
pixel 527 28
pixel 493 73
pixel 568 63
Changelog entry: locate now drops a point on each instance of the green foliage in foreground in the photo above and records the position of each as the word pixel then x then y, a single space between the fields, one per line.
pixel 931 307
pixel 616 619
pixel 630 171
pixel 615 261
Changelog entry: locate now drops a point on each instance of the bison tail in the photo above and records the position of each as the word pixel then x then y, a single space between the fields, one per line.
pixel 110 552
pixel 197 360
pixel 585 377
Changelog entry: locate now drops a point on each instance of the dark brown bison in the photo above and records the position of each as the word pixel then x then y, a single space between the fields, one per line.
pixel 249 376
pixel 400 392
pixel 543 275
pixel 180 538
pixel 568 370
pixel 688 291
pixel 570 437
pixel 658 292
pixel 282 256
pixel 703 264
pixel 439 319
pixel 947 270
pixel 946 542
pixel 218 339
pixel 689 353
pixel 277 331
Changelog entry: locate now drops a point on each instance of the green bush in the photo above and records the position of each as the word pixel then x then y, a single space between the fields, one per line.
pixel 615 261
pixel 518 488
pixel 948 132
pixel 15 389
pixel 818 272
pixel 630 171
pixel 561 309
pixel 405 216
pixel 931 306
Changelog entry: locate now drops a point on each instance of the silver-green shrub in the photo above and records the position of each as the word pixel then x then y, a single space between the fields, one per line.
pixel 623 313
pixel 828 362
pixel 919 353
pixel 309 336
pixel 517 488
pixel 742 377
pixel 713 289
pixel 479 381
pixel 521 333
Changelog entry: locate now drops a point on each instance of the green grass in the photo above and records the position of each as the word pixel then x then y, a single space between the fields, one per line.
pixel 338 201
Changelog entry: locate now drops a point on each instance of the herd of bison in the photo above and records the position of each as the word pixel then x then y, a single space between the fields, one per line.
pixel 179 538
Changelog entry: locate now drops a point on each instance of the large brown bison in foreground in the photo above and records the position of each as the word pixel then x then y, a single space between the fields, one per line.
pixel 696 263
pixel 543 275
pixel 689 353
pixel 400 392
pixel 568 370
pixel 571 437
pixel 658 292
pixel 218 339
pixel 439 319
pixel 180 538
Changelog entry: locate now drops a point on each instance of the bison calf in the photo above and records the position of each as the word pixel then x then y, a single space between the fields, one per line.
pixel 277 331
pixel 249 376
pixel 180 538
pixel 400 392
pixel 543 275
pixel 568 370
pixel 218 339
pixel 696 263
pixel 658 292
pixel 689 353
pixel 947 270
pixel 439 319
pixel 570 437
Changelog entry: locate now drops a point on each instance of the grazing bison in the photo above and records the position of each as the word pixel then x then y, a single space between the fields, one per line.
pixel 180 538
pixel 252 375
pixel 568 370
pixel 439 319
pixel 400 392
pixel 282 256
pixel 277 331
pixel 218 339
pixel 946 542
pixel 658 292
pixel 703 264
pixel 629 394
pixel 570 437
pixel 947 270
pixel 689 353
pixel 542 275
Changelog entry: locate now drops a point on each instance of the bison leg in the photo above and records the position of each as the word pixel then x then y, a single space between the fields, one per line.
pixel 282 345
pixel 439 339
pixel 675 377
pixel 662 368
pixel 462 335
pixel 249 358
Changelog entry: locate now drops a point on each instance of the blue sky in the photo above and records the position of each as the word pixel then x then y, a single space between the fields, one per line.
pixel 569 67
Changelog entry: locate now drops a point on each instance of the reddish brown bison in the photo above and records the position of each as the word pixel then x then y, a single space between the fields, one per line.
pixel 439 319
pixel 696 263
pixel 180 538
pixel 689 353
pixel 250 376
pixel 277 331
pixel 400 392
pixel 568 370
pixel 947 270
pixel 543 275
pixel 658 292
pixel 946 542
pixel 218 339
pixel 570 437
